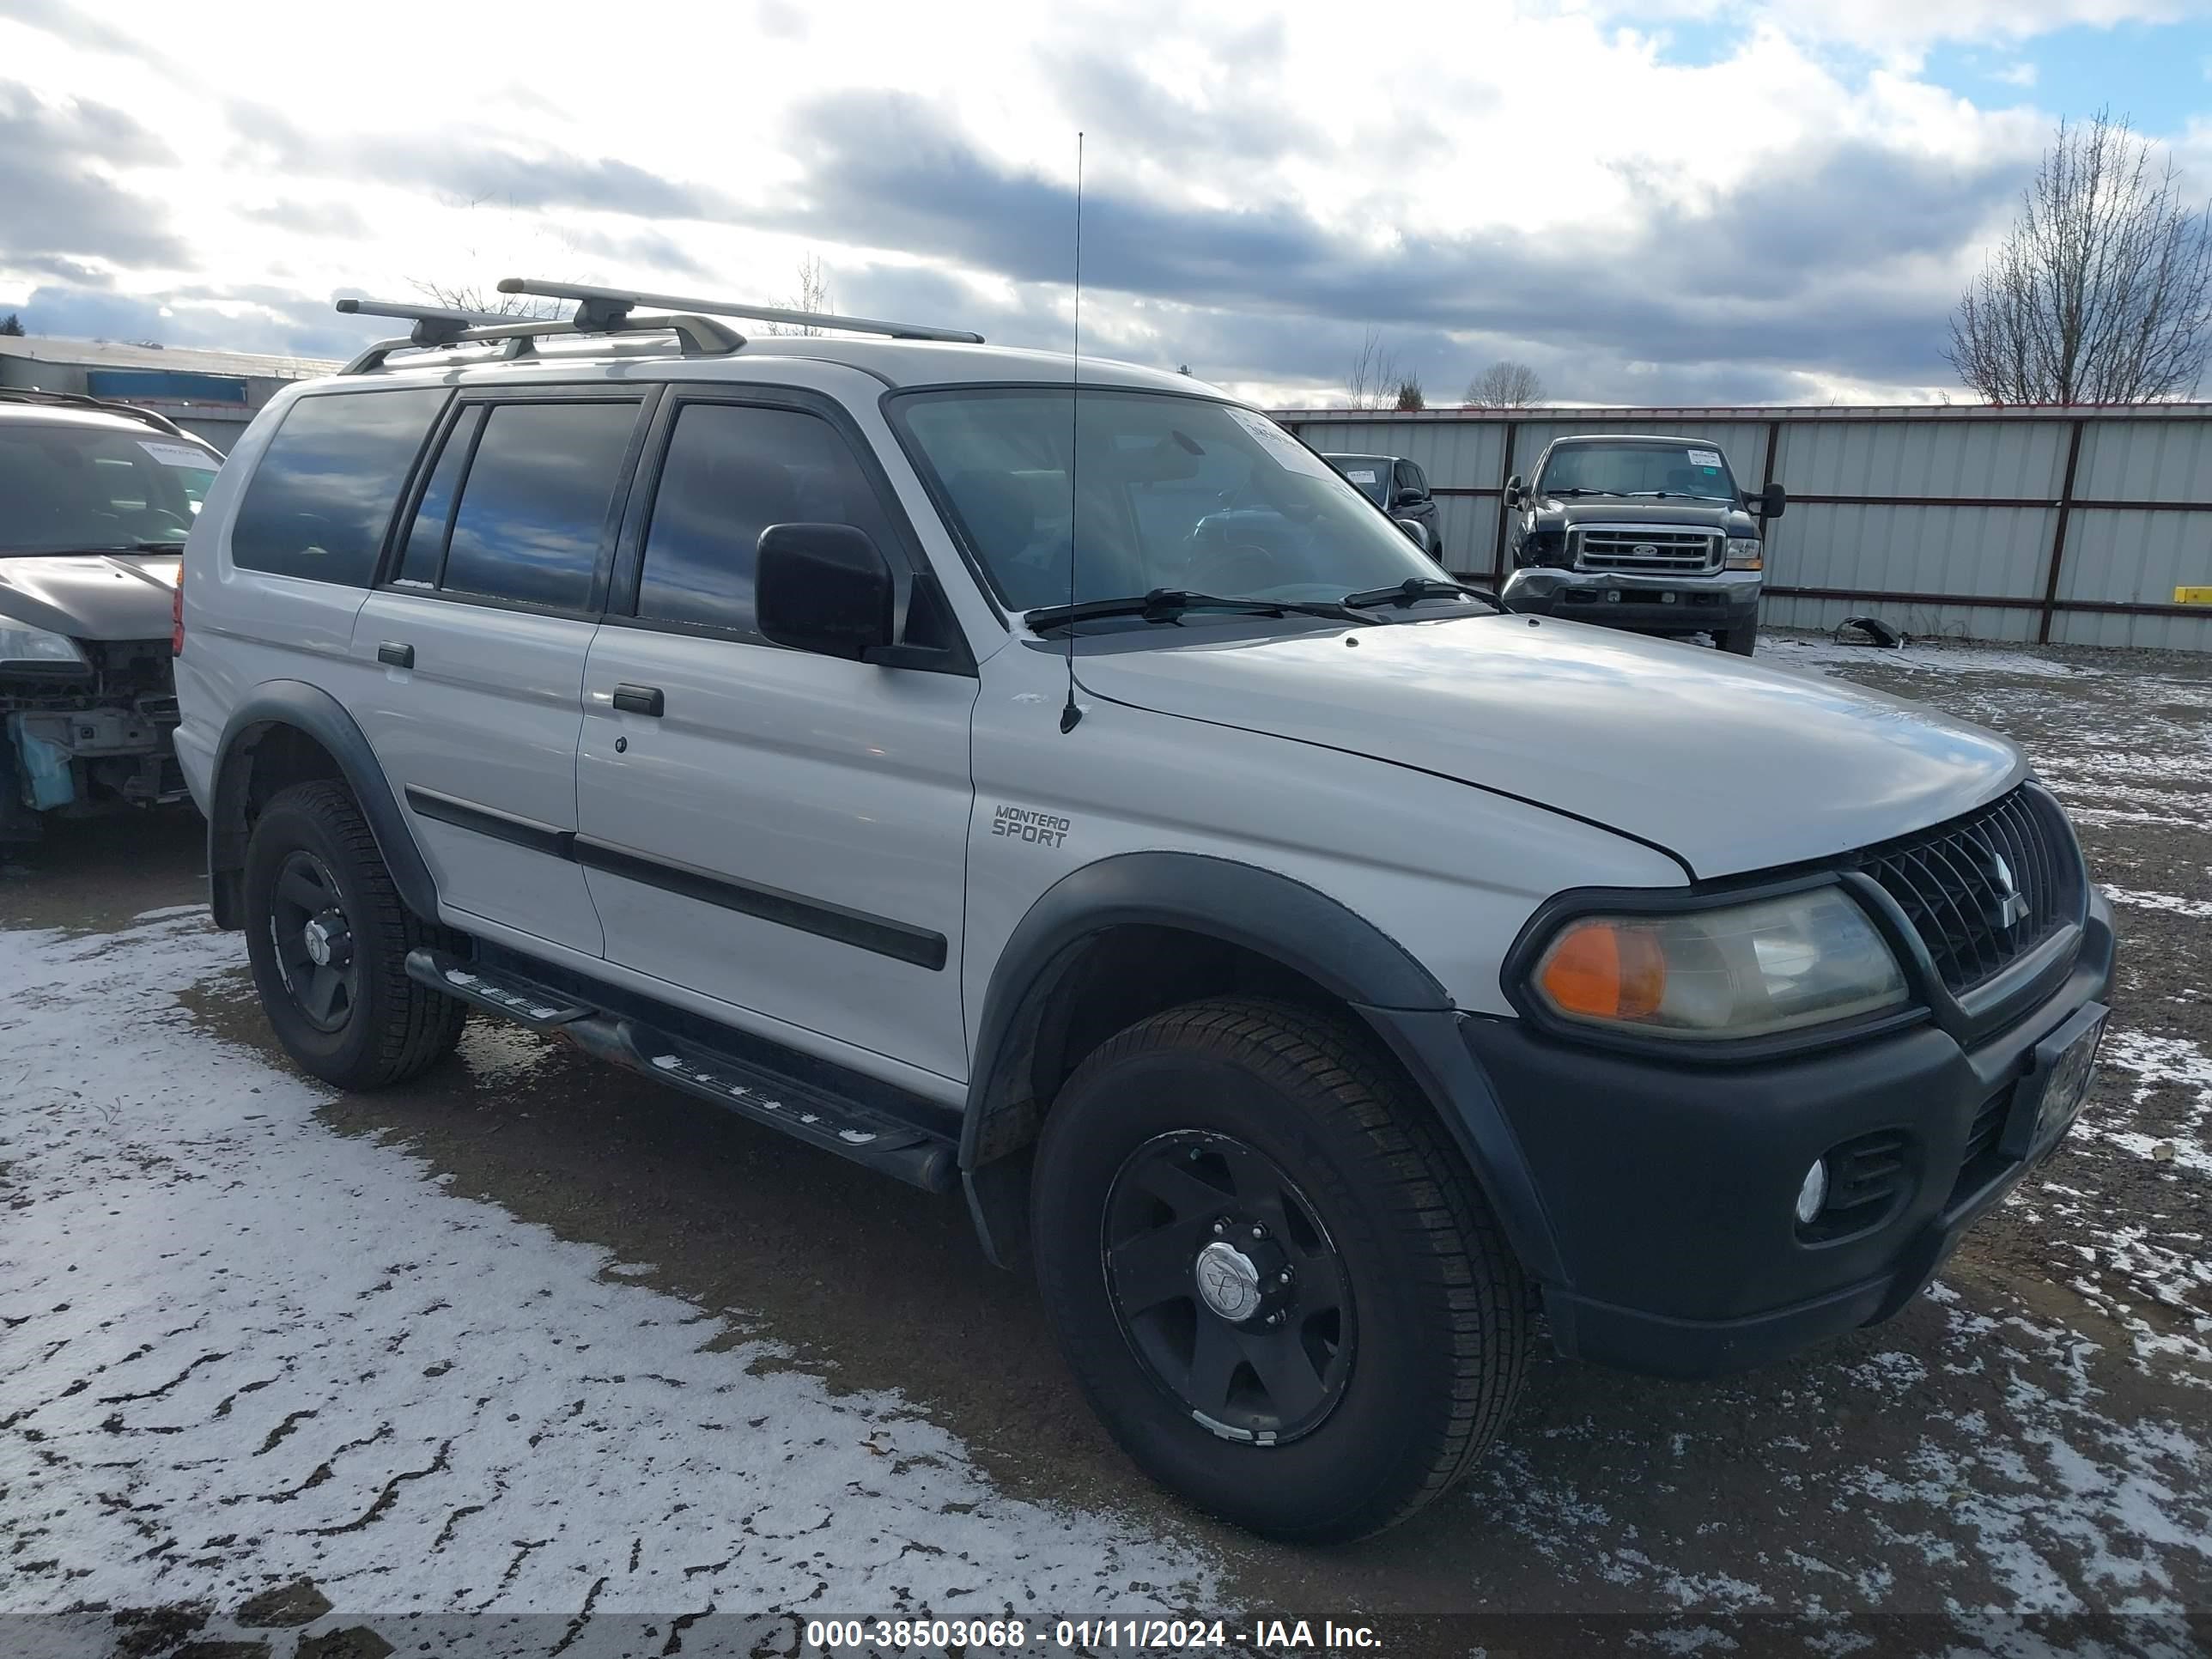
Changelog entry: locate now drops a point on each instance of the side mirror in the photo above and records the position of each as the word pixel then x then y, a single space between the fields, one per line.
pixel 1768 503
pixel 823 587
pixel 1412 528
pixel 1513 490
pixel 1410 498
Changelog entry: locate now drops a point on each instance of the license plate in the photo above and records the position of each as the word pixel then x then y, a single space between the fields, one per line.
pixel 2065 1064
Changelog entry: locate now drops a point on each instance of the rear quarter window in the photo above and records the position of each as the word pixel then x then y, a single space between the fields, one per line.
pixel 318 503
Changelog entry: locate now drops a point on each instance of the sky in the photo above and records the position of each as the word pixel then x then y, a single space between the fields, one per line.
pixel 1679 202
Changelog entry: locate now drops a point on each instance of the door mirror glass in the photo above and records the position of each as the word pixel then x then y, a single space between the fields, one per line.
pixel 1772 501
pixel 825 589
pixel 1513 490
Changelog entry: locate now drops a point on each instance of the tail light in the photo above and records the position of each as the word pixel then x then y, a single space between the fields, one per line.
pixel 177 617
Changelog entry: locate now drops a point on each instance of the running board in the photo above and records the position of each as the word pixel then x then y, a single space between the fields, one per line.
pixel 507 994
pixel 805 1111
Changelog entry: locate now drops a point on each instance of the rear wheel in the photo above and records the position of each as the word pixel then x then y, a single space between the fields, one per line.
pixel 1273 1280
pixel 328 935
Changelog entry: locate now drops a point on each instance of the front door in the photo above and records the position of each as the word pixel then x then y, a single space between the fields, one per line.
pixel 783 832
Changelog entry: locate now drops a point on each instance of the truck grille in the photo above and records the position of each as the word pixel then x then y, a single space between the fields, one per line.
pixel 1984 890
pixel 1647 550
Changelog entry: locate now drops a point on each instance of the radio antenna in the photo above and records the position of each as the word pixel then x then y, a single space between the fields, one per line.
pixel 1069 713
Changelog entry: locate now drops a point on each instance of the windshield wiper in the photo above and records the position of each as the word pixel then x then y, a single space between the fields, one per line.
pixel 1414 589
pixel 1168 604
pixel 176 545
pixel 1661 495
pixel 1576 490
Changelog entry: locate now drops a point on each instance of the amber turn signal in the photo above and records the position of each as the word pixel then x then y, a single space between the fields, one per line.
pixel 1602 968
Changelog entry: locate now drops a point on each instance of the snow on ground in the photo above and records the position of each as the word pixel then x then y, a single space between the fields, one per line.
pixel 241 1348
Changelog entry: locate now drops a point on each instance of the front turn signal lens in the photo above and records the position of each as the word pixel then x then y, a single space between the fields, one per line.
pixel 1604 969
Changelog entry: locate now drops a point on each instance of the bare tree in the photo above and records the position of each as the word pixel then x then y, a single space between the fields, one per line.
pixel 1375 378
pixel 1409 394
pixel 1505 385
pixel 2099 293
pixel 813 296
pixel 517 242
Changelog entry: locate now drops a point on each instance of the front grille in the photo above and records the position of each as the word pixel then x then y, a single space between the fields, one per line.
pixel 1985 890
pixel 1647 550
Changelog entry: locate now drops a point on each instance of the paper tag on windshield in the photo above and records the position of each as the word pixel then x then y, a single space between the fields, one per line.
pixel 1358 477
pixel 1706 458
pixel 179 455
pixel 1290 454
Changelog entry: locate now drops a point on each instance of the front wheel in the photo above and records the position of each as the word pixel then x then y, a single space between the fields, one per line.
pixel 1740 641
pixel 1272 1279
pixel 327 935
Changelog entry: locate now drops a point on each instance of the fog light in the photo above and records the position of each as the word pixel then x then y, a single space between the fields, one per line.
pixel 1814 1194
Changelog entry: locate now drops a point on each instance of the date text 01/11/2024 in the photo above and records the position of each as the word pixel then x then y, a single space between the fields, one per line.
pixel 1089 1635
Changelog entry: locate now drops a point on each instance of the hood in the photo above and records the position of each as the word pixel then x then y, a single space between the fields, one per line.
pixel 90 596
pixel 1557 512
pixel 1729 766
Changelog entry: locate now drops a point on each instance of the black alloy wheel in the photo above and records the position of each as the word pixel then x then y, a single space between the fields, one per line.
pixel 1228 1286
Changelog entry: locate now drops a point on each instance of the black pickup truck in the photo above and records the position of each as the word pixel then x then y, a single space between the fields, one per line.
pixel 1652 534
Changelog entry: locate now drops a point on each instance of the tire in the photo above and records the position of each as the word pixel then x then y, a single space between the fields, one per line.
pixel 311 855
pixel 1740 641
pixel 1416 1367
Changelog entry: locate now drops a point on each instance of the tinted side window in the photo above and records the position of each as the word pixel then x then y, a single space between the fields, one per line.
pixel 425 551
pixel 318 504
pixel 731 472
pixel 533 512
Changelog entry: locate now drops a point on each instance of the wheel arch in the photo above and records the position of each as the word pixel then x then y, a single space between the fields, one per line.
pixel 1278 936
pixel 287 731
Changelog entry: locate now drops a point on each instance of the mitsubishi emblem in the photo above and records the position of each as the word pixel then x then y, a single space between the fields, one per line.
pixel 2012 903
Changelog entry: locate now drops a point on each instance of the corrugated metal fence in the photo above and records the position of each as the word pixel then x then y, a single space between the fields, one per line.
pixel 2072 526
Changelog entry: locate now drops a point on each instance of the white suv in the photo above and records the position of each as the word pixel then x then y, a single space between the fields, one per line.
pixel 1316 973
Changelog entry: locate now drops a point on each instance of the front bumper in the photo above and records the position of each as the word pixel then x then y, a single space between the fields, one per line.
pixel 1668 1188
pixel 1686 605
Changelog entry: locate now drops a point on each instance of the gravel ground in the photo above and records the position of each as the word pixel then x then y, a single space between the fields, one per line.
pixel 535 1357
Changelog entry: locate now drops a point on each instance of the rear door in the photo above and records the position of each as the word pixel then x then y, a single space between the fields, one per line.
pixel 479 636
pixel 783 832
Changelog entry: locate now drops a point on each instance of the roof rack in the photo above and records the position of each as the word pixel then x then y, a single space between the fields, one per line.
pixel 612 300
pixel 440 326
pixel 31 394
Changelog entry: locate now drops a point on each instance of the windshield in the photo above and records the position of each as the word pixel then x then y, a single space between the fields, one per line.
pixel 1171 493
pixel 1370 474
pixel 1634 469
pixel 89 488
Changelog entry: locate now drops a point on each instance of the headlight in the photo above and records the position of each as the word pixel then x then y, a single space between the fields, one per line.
pixel 27 650
pixel 1743 970
pixel 1746 553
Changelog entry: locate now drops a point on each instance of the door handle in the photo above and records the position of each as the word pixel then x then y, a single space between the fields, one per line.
pixel 640 700
pixel 396 655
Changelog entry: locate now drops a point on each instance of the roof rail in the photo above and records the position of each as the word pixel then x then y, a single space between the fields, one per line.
pixel 440 326
pixel 615 300
pixel 31 394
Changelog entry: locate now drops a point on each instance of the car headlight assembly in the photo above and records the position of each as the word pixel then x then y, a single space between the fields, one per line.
pixel 1760 968
pixel 27 650
pixel 1746 553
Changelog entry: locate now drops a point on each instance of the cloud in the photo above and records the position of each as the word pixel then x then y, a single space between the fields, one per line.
pixel 2022 74
pixel 256 318
pixel 470 163
pixel 310 218
pixel 1797 268
pixel 57 199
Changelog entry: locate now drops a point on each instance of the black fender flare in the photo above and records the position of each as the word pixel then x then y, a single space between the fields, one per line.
pixel 314 712
pixel 1277 916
